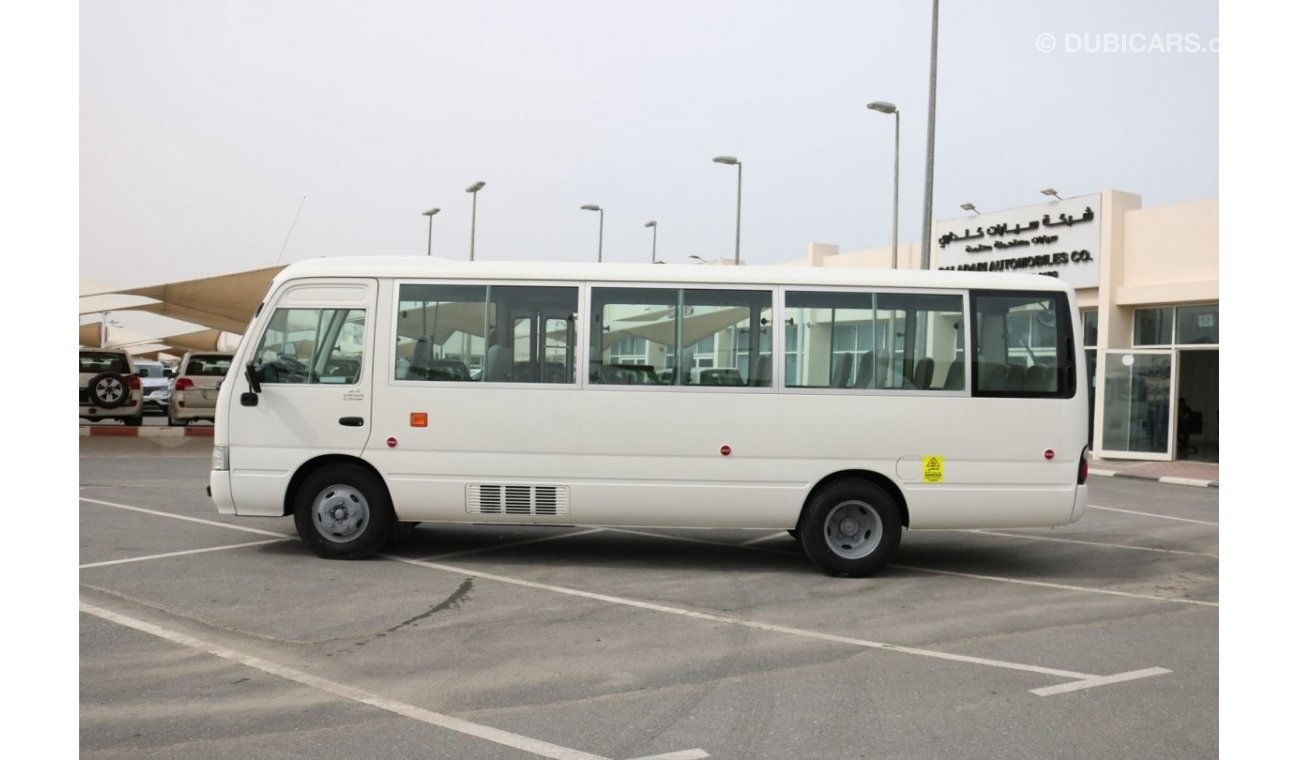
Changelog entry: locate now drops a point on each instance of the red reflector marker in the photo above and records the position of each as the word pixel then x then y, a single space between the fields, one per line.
pixel 1049 454
pixel 726 451
pixel 392 442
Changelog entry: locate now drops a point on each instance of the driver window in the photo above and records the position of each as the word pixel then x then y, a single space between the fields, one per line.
pixel 312 346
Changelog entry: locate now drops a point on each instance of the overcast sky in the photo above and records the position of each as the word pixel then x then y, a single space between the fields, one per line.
pixel 204 125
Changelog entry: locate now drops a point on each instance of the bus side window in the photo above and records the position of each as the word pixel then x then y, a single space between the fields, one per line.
pixel 1021 344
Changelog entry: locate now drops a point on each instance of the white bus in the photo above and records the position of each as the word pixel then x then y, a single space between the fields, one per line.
pixel 841 405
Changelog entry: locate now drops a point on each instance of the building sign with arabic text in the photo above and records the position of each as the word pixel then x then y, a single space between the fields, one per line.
pixel 1060 239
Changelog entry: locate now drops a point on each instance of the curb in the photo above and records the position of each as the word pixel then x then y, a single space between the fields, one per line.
pixel 1168 479
pixel 147 432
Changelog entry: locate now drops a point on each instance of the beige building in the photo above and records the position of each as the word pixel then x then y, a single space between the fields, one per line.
pixel 1147 281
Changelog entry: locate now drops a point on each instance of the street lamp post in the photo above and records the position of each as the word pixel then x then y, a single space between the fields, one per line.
pixel 430 214
pixel 890 108
pixel 600 241
pixel 654 239
pixel 929 138
pixel 473 214
pixel 733 161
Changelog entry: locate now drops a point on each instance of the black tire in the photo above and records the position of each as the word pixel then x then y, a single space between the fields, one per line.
pixel 342 511
pixel 851 528
pixel 108 390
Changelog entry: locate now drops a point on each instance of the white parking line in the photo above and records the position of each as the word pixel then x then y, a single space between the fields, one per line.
pixel 1149 514
pixel 476 730
pixel 494 547
pixel 186 518
pixel 1066 687
pixel 1084 680
pixel 761 539
pixel 922 569
pixel 1061 586
pixel 1130 547
pixel 668 536
pixel 180 554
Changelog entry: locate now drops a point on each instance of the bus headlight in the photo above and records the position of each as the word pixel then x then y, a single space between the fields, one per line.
pixel 221 457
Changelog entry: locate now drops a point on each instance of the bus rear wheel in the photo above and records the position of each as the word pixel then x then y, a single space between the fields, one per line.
pixel 342 511
pixel 851 528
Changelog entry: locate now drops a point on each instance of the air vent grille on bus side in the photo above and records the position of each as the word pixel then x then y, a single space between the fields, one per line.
pixel 516 500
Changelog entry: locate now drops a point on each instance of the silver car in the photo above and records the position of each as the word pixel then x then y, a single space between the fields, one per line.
pixel 155 385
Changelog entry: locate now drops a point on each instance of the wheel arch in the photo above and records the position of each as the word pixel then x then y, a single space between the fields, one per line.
pixel 870 476
pixel 316 464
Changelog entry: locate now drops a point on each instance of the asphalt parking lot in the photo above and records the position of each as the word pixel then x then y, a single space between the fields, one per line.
pixel 214 637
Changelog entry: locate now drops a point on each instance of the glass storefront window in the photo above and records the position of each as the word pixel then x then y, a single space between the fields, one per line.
pixel 1136 416
pixel 1198 324
pixel 1153 327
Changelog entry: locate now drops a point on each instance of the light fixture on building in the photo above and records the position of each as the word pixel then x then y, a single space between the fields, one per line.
pixel 1051 192
pixel 970 207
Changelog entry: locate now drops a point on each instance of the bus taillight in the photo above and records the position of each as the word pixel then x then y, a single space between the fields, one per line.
pixel 1083 467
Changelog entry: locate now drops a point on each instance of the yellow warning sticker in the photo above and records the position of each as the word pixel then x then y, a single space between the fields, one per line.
pixel 932 469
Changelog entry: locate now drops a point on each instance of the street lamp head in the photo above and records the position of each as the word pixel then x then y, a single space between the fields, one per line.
pixel 970 207
pixel 474 188
pixel 652 223
pixel 430 212
pixel 1052 192
pixel 728 160
pixel 591 207
pixel 697 258
pixel 882 106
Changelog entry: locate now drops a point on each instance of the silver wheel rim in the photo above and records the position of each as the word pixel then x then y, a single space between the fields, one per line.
pixel 340 513
pixel 853 529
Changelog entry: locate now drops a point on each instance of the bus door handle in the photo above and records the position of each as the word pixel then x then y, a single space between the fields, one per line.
pixel 351 421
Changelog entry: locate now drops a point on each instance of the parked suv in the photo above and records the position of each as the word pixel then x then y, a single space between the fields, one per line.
pixel 110 389
pixel 154 384
pixel 194 393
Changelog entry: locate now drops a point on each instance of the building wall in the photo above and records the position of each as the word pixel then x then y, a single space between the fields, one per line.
pixel 1176 254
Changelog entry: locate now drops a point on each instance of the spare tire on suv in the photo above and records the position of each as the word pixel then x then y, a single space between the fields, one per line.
pixel 109 390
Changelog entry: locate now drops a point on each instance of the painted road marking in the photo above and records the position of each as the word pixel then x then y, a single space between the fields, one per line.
pixel 186 518
pixel 512 544
pixel 476 730
pixel 1083 680
pixel 1061 586
pixel 761 539
pixel 1066 687
pixel 181 554
pixel 671 537
pixel 1130 547
pixel 994 578
pixel 1149 514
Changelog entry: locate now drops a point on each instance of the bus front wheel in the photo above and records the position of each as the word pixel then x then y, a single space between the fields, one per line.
pixel 851 528
pixel 343 512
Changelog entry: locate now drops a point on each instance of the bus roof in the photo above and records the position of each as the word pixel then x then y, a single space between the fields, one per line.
pixel 417 267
